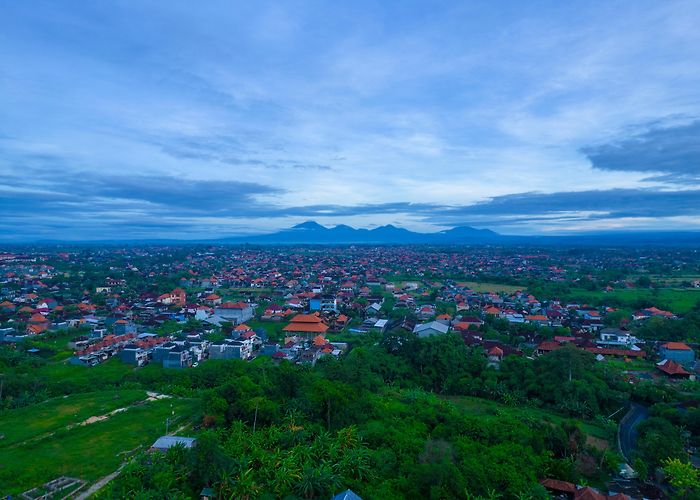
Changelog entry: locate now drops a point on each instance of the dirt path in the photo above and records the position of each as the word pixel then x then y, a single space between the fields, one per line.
pixel 101 483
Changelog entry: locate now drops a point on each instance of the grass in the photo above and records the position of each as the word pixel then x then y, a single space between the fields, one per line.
pixel 274 329
pixel 109 372
pixel 633 364
pixel 678 300
pixel 32 422
pixel 490 287
pixel 674 280
pixel 57 447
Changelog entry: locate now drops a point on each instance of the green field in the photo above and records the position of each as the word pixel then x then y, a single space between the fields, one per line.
pixel 76 376
pixel 34 422
pixel 45 441
pixel 490 287
pixel 678 300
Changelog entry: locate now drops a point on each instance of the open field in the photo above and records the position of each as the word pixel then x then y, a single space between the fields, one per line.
pixel 45 441
pixel 111 371
pixel 490 287
pixel 678 300
pixel 674 280
pixel 36 421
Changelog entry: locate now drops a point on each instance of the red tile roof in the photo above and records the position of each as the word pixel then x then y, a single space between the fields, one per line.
pixel 557 485
pixel 588 493
pixel 670 367
pixel 676 346
pixel 234 305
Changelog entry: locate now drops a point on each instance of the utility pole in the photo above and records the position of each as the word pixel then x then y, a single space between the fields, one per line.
pixel 255 419
pixel 167 420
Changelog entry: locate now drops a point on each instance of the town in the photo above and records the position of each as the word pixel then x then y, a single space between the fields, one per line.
pixel 182 308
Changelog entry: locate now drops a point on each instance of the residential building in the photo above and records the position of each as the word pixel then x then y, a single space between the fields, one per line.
pixel 430 329
pixel 235 312
pixel 678 352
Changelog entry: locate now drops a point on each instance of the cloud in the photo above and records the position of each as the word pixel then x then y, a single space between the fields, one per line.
pixel 38 190
pixel 191 120
pixel 671 152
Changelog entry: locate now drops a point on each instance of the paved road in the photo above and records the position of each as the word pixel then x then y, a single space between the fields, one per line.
pixel 627 432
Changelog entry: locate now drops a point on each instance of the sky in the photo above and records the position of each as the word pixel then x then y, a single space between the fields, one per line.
pixel 180 119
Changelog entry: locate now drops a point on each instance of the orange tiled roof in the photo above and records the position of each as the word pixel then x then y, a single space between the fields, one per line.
pixel 670 367
pixel 676 346
pixel 306 327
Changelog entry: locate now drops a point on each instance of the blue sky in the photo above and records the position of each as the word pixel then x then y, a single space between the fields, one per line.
pixel 189 120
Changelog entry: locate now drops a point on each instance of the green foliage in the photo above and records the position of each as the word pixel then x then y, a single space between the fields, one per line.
pixel 377 420
pixel 658 440
pixel 684 478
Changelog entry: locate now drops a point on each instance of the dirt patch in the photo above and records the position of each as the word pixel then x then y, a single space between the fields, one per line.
pixel 100 418
pixel 154 396
pixel 597 443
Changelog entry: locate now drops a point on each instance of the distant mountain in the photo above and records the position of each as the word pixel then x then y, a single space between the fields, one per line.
pixel 462 233
pixel 310 225
pixel 311 232
pixel 314 233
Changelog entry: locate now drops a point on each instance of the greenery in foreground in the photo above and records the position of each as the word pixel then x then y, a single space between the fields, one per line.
pixel 398 417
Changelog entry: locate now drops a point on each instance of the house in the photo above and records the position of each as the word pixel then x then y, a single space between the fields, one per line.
pixel 164 443
pixel 323 303
pixel 235 312
pixel 212 299
pixel 381 325
pixel 652 312
pixel 515 317
pixel 177 297
pixel 468 322
pixel 673 369
pixel 373 309
pixel 565 489
pixel 614 337
pixel 133 355
pixel 429 329
pixel 7 307
pixel 305 324
pixel 122 327
pixel 678 352
pixel 347 495
pixel 178 357
pixel 231 349
pixel 537 319
pixel 426 312
pixel 495 356
pixel 444 318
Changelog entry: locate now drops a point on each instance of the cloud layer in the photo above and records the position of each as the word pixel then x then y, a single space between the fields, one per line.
pixel 163 119
pixel 671 153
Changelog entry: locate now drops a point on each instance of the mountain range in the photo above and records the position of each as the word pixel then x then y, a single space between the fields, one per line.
pixel 311 232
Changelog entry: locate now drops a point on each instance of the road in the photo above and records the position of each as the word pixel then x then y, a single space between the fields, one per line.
pixel 627 432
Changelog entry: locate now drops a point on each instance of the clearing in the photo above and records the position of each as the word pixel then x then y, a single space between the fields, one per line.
pixel 47 440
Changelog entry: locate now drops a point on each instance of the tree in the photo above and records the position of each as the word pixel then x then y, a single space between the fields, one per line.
pixel 684 478
pixel 659 440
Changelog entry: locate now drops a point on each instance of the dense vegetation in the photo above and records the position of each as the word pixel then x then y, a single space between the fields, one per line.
pixel 377 422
